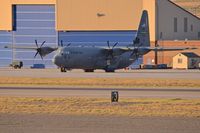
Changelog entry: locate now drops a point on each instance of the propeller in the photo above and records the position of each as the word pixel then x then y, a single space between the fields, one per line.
pixel 63 44
pixel 136 49
pixel 111 50
pixel 39 49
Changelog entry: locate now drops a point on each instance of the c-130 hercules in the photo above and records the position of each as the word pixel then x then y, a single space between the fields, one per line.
pixel 106 58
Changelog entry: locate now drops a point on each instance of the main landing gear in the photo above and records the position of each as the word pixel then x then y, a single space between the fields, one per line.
pixel 110 70
pixel 89 70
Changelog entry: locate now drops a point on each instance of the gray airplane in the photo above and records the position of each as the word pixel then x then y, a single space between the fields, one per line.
pixel 108 58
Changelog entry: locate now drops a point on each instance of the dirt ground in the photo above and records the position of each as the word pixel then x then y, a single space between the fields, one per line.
pixel 32 123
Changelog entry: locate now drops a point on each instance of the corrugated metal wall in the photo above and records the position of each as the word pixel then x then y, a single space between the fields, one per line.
pixel 34 22
pixel 99 38
pixel 5 54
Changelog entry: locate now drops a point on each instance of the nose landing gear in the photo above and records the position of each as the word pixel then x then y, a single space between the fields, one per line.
pixel 63 69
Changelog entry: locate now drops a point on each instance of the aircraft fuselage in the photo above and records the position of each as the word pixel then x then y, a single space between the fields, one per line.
pixel 90 58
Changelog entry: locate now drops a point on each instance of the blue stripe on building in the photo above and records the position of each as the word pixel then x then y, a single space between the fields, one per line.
pixel 37 22
pixel 33 22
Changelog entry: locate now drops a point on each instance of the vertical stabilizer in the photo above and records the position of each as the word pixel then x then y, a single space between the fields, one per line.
pixel 142 39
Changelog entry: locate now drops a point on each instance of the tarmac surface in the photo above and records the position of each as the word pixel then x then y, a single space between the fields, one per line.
pixel 99 92
pixel 44 123
pixel 95 124
pixel 55 73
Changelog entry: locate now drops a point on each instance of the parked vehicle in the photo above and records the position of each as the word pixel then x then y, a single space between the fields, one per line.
pixel 17 64
pixel 38 66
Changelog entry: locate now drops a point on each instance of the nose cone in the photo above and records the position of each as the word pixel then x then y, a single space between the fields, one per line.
pixel 57 60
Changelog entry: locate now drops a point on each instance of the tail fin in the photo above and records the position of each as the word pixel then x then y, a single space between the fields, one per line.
pixel 142 39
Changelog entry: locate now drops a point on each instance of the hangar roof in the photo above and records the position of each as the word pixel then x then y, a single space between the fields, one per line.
pixel 184 10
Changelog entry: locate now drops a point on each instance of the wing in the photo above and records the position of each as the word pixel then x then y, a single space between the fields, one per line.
pixel 170 49
pixel 143 50
pixel 125 49
pixel 21 47
pixel 42 51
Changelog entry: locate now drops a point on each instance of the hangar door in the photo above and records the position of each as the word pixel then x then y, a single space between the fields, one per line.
pixel 33 22
pixel 5 54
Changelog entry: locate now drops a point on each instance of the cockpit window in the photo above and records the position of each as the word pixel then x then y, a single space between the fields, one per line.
pixel 61 51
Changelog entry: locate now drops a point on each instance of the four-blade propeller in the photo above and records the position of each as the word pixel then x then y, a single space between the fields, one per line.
pixel 61 42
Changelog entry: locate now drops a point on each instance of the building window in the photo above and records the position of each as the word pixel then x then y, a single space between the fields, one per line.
pixel 185 24
pixel 161 35
pixel 175 25
pixel 199 35
pixel 192 28
pixel 180 61
pixel 14 19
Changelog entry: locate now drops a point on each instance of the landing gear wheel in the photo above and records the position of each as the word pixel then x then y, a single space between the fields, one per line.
pixel 63 69
pixel 89 70
pixel 109 70
pixel 15 67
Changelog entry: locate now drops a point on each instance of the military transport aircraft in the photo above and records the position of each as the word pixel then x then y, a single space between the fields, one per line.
pixel 107 58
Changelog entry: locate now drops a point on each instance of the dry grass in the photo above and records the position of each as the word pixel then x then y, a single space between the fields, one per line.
pixel 93 106
pixel 99 82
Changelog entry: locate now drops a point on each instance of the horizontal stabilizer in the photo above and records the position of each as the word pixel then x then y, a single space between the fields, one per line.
pixel 170 49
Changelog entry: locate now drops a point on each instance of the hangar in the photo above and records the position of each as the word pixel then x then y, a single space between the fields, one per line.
pixel 91 22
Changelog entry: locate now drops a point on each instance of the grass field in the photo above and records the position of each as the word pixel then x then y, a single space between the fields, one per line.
pixel 96 106
pixel 99 82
